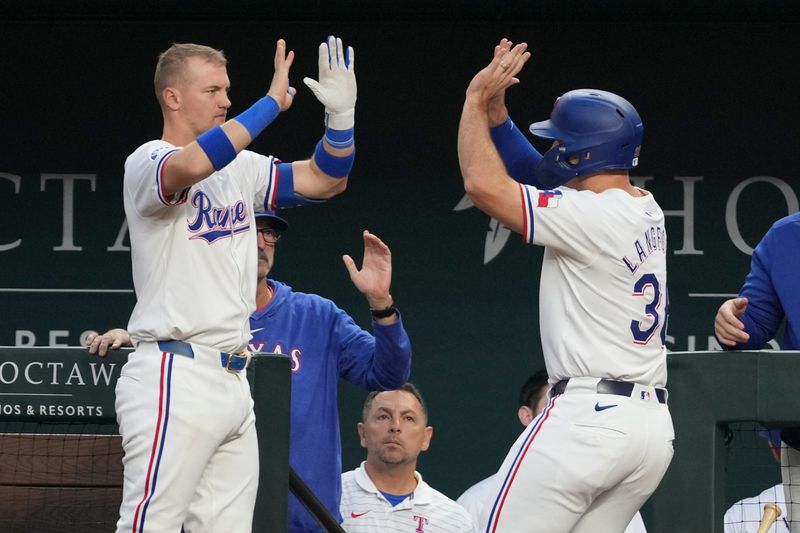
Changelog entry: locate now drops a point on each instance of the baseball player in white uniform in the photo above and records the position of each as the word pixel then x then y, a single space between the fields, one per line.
pixel 479 498
pixel 386 494
pixel 745 515
pixel 604 441
pixel 183 403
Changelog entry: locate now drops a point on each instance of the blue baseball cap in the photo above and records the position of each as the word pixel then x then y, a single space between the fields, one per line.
pixel 773 435
pixel 277 222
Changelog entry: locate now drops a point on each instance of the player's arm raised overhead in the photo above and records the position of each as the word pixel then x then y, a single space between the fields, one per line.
pixel 325 173
pixel 381 361
pixel 218 146
pixel 519 156
pixel 485 177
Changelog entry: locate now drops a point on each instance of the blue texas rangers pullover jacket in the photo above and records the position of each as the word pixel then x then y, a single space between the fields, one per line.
pixel 324 344
pixel 773 287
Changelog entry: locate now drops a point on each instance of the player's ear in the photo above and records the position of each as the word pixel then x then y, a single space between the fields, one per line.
pixel 171 98
pixel 426 441
pixel 525 415
pixel 361 432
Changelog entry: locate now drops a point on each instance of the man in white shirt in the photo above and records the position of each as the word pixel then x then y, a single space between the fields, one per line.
pixel 386 493
pixel 532 400
pixel 745 515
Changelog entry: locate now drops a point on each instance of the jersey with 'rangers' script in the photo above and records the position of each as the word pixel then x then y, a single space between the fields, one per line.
pixel 603 288
pixel 194 254
pixel 426 510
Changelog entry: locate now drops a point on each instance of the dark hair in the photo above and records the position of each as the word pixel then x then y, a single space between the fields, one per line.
pixel 405 387
pixel 532 389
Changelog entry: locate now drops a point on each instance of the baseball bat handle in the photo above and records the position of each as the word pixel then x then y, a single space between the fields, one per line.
pixel 771 513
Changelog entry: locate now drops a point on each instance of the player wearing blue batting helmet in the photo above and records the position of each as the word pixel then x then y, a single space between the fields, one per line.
pixel 595 130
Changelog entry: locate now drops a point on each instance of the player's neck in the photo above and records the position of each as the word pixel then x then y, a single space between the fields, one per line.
pixel 603 181
pixel 392 478
pixel 175 133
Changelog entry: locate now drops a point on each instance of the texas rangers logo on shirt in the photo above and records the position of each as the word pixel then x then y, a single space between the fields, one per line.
pixel 213 223
pixel 421 522
pixel 548 198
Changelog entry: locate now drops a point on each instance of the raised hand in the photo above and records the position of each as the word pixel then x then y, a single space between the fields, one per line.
pixel 375 276
pixel 280 89
pixel 336 88
pixel 496 105
pixel 500 74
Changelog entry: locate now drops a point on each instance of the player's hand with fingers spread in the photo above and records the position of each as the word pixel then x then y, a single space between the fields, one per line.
pixel 491 82
pixel 280 89
pixel 113 338
pixel 729 329
pixel 336 88
pixel 375 276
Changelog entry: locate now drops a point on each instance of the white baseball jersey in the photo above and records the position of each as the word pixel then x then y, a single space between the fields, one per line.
pixel 478 499
pixel 590 460
pixel 194 255
pixel 366 510
pixel 745 515
pixel 603 289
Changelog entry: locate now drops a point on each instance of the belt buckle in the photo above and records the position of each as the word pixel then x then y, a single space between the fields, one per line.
pixel 247 355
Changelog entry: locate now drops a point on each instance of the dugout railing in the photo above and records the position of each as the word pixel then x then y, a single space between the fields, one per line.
pixel 709 391
pixel 60 456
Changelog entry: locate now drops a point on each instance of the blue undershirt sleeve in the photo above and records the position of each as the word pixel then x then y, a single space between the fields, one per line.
pixel 287 197
pixel 518 155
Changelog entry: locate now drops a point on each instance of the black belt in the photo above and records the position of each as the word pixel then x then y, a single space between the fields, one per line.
pixel 610 386
pixel 229 361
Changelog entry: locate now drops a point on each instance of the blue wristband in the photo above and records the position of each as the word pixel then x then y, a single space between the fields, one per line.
pixel 217 146
pixel 336 167
pixel 259 115
pixel 340 138
pixel 517 153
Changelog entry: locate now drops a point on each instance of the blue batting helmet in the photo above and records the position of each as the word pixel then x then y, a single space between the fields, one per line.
pixel 602 129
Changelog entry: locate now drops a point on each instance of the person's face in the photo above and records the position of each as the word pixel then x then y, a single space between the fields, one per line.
pixel 394 431
pixel 203 93
pixel 266 240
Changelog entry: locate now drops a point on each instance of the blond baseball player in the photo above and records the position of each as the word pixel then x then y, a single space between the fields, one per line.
pixel 182 401
pixel 604 441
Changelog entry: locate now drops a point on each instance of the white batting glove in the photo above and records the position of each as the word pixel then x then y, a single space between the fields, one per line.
pixel 336 88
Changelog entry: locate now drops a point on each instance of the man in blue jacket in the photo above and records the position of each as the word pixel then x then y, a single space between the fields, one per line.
pixel 324 344
pixel 770 295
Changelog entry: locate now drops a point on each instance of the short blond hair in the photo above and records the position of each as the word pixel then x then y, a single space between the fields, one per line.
pixel 172 62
